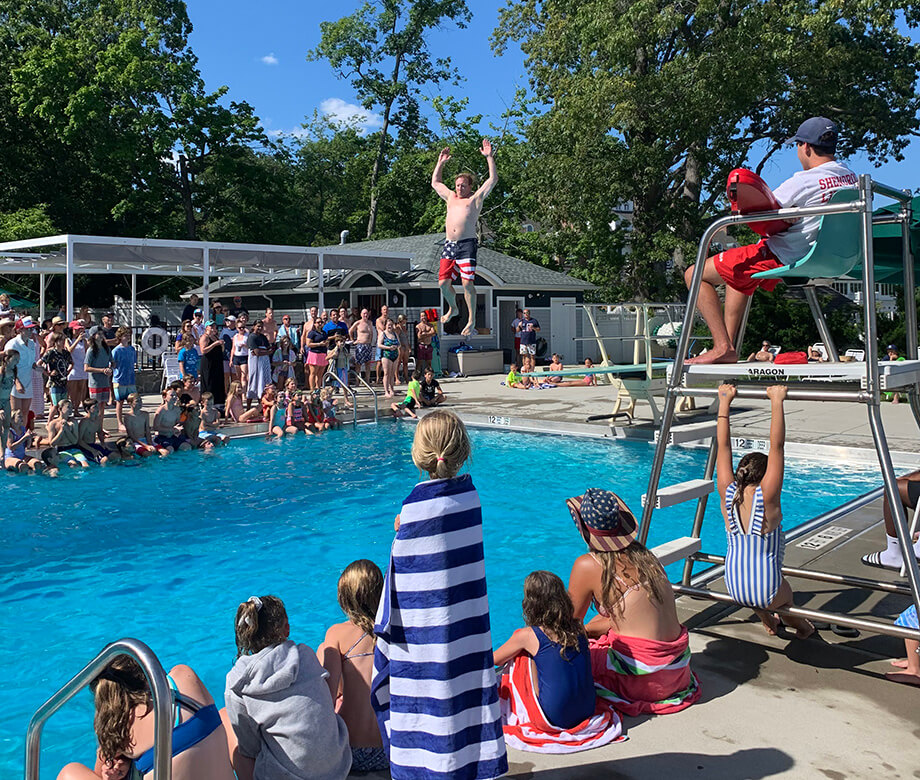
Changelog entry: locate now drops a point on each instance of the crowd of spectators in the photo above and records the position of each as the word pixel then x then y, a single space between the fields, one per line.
pixel 231 365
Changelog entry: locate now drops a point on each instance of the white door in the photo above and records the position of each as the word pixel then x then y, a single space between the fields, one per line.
pixel 562 329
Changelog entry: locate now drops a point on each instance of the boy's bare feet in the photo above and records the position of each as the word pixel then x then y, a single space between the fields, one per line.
pixel 445 318
pixel 899 663
pixel 468 329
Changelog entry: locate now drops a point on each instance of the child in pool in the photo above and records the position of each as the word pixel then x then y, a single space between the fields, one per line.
pixel 556 642
pixel 754 518
pixel 280 717
pixel 347 653
pixel 433 662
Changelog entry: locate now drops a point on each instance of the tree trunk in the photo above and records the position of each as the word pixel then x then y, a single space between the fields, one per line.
pixel 185 187
pixel 375 172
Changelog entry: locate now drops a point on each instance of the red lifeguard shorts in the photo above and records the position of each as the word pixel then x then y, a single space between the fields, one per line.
pixel 737 266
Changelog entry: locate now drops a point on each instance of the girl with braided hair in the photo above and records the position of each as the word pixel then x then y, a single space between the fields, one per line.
pixel 280 716
pixel 754 518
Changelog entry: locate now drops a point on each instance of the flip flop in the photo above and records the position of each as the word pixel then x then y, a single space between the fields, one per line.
pixel 874 559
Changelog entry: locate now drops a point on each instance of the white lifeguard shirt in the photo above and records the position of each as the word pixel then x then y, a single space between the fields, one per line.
pixel 807 188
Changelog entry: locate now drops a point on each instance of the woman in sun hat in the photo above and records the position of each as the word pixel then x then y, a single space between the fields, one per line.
pixel 640 652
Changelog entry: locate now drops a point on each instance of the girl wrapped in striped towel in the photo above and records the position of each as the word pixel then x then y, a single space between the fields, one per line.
pixel 547 692
pixel 434 688
pixel 754 518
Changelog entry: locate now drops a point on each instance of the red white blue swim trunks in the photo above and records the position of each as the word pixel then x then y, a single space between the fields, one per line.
pixel 458 260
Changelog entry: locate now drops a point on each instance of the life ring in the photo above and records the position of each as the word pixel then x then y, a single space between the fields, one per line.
pixel 154 341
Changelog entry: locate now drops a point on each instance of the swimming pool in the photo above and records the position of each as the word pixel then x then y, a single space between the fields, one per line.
pixel 164 551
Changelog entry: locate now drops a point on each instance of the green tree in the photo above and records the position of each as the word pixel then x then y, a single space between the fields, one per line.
pixel 116 82
pixel 652 102
pixel 382 49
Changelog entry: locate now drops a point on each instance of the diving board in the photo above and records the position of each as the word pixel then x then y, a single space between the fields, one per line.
pixel 634 368
pixel 892 374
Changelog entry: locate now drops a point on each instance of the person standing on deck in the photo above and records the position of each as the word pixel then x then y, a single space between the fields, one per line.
pixel 458 257
pixel 821 176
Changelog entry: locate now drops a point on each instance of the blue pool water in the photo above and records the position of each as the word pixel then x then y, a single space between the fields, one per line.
pixel 165 551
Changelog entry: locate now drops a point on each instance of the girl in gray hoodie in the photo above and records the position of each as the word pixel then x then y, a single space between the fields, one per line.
pixel 284 725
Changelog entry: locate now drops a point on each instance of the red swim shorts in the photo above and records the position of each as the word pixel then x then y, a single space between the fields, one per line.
pixel 737 266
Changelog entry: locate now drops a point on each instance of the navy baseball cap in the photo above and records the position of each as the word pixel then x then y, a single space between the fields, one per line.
pixel 817 131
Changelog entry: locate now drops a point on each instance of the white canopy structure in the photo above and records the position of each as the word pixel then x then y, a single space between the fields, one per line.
pixel 208 260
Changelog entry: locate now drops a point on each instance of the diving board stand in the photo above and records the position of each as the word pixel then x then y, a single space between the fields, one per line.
pixel 843 248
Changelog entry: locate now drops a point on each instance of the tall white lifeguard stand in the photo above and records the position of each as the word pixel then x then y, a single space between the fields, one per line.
pixel 844 246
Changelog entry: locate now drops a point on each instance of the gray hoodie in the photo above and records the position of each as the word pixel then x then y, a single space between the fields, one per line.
pixel 283 715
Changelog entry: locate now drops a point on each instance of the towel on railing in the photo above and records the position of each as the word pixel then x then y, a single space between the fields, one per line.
pixel 527 727
pixel 434 688
pixel 643 675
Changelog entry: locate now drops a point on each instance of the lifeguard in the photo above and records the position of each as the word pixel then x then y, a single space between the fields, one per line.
pixel 820 177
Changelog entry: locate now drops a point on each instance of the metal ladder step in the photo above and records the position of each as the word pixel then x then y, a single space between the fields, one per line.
pixel 690 432
pixel 681 492
pixel 677 549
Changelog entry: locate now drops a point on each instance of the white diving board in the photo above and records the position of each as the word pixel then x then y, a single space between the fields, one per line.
pixel 630 369
pixel 892 374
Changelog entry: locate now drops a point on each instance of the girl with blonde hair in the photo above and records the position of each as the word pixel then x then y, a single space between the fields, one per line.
pixel 434 642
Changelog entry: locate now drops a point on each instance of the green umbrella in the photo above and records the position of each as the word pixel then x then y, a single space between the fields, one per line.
pixel 18 303
pixel 886 246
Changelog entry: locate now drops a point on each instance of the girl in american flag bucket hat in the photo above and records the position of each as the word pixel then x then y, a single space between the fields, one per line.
pixel 640 652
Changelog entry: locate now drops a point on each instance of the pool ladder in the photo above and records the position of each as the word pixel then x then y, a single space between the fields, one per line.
pixel 159 688
pixel 354 394
pixel 870 386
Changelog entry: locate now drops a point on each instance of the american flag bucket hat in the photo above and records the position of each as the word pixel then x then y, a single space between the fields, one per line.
pixel 603 520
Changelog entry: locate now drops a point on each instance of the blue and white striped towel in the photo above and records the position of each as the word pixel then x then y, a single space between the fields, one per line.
pixel 434 687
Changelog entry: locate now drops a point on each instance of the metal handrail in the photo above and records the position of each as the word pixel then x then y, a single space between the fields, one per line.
pixel 373 393
pixel 159 689
pixel 354 395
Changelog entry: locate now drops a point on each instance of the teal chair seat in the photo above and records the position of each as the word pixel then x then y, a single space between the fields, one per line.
pixel 837 249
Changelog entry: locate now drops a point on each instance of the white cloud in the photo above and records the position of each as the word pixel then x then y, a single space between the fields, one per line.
pixel 270 59
pixel 350 114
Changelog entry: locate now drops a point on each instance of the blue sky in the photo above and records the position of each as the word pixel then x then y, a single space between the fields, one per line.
pixel 259 51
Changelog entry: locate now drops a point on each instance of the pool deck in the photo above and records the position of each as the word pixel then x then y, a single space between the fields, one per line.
pixel 771 707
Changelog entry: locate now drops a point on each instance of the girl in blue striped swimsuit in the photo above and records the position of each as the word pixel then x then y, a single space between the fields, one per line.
pixel 754 519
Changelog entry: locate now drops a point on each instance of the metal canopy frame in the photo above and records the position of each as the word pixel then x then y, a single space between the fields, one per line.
pixel 819 383
pixel 71 254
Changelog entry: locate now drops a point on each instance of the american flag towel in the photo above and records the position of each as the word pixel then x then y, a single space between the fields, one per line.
pixel 434 688
pixel 642 675
pixel 528 728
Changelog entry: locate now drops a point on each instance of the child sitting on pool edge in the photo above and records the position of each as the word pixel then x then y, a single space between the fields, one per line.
pixel 279 716
pixel 347 653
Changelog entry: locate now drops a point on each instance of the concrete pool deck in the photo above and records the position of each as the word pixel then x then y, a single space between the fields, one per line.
pixel 771 707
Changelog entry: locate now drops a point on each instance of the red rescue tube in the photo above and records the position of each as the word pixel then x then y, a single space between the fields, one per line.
pixel 749 194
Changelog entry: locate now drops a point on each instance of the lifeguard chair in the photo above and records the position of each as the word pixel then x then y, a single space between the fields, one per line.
pixel 843 248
